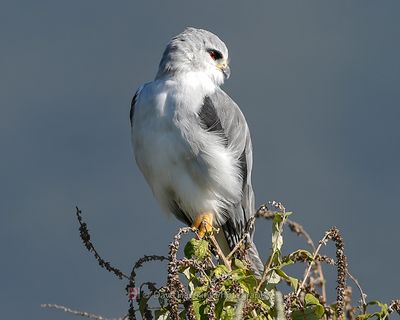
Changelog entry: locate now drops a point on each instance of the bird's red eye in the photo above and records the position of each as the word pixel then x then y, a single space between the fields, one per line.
pixel 215 54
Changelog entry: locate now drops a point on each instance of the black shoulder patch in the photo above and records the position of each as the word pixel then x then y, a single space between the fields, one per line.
pixel 132 111
pixel 209 118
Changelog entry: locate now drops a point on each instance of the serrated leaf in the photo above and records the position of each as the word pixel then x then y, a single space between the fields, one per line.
pixel 189 248
pixel 220 270
pixel 196 248
pixel 238 274
pixel 248 282
pixel 202 250
pixel 311 300
pixel 239 264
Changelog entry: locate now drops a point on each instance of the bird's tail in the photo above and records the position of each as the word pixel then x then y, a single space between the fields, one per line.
pixel 256 263
pixel 254 257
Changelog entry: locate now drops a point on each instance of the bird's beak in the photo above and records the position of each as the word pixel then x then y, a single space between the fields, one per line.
pixel 224 67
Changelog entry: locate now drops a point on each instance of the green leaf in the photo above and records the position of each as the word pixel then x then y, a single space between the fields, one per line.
pixel 239 264
pixel 200 302
pixel 314 312
pixel 220 270
pixel 182 315
pixel 238 274
pixel 248 283
pixel 382 314
pixel 293 281
pixel 196 248
pixel 228 313
pixel 161 314
pixel 277 239
pixel 311 300
pixel 219 307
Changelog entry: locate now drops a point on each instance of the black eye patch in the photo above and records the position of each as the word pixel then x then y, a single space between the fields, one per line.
pixel 215 54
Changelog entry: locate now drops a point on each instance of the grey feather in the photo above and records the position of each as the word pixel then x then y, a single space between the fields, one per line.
pixel 210 119
pixel 236 131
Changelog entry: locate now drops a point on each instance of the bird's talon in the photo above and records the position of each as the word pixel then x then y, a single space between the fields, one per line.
pixel 203 224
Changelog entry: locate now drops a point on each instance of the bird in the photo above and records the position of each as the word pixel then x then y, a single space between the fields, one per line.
pixel 192 142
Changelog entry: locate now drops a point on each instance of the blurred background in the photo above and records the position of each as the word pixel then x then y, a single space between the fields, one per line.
pixel 317 81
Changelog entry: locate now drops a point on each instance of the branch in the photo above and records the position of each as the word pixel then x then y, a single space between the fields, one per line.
pixel 79 313
pixel 85 236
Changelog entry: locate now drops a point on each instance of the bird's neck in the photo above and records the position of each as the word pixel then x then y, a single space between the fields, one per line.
pixel 193 81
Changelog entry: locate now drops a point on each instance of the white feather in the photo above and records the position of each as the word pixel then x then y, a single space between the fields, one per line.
pixel 175 154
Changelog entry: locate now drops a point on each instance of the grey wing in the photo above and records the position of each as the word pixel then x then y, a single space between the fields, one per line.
pixel 221 114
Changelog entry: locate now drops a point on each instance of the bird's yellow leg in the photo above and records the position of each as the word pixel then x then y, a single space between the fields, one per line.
pixel 203 223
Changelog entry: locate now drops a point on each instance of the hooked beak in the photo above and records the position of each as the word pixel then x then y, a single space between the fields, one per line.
pixel 225 69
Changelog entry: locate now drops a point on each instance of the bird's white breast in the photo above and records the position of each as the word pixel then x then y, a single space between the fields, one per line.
pixel 164 141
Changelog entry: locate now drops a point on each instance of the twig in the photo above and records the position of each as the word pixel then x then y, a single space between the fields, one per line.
pixel 394 306
pixel 132 279
pixel 362 294
pixel 245 235
pixel 298 229
pixel 267 267
pixel 321 242
pixel 78 313
pixel 220 253
pixel 85 236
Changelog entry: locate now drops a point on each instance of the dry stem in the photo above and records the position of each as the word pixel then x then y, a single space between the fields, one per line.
pixel 78 313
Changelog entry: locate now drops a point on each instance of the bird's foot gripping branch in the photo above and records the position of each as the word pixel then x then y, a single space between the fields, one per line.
pixel 198 286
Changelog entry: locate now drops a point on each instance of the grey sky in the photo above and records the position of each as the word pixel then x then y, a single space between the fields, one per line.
pixel 317 81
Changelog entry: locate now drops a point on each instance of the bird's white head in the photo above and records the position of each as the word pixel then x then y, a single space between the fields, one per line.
pixel 195 51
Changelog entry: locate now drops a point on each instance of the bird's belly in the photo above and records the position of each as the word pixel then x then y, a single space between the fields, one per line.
pixel 171 168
